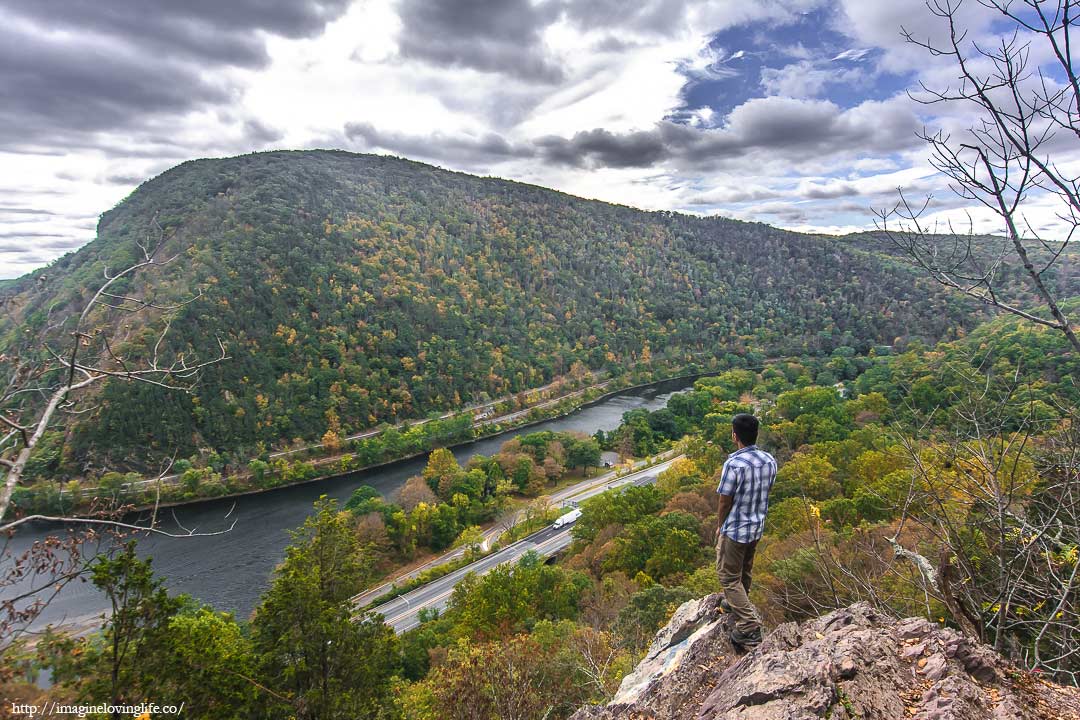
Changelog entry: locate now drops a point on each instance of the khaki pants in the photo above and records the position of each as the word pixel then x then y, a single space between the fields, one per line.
pixel 734 562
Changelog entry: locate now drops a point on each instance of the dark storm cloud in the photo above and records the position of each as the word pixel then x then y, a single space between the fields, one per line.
pixel 469 151
pixel 602 148
pixel 222 31
pixel 72 69
pixel 53 90
pixel 124 179
pixel 653 17
pixel 786 129
pixel 762 130
pixel 261 133
pixel 503 36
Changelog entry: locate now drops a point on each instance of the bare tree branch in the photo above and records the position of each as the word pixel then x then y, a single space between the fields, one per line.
pixel 1002 160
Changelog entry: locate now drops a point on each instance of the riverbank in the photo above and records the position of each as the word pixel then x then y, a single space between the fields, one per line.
pixel 364 452
pixel 230 571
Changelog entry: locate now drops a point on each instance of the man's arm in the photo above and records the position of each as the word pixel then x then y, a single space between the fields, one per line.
pixel 726 501
pixel 729 482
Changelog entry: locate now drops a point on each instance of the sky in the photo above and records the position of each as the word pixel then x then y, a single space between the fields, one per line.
pixel 796 112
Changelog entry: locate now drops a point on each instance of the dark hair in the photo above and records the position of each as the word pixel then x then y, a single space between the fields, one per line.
pixel 745 427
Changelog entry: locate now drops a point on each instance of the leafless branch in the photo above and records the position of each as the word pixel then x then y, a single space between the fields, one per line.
pixel 1003 160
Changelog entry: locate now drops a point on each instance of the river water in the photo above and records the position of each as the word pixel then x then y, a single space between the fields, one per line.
pixel 232 570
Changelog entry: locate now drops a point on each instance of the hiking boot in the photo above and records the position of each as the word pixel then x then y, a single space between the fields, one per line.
pixel 725 605
pixel 745 641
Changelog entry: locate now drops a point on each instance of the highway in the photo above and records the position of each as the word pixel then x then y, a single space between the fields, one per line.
pixel 566 496
pixel 402 613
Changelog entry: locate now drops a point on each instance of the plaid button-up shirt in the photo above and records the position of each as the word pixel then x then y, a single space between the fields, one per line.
pixel 747 477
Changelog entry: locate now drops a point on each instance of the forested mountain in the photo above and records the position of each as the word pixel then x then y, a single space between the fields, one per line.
pixel 352 290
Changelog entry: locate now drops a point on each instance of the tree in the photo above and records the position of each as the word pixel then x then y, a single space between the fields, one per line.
pixel 90 357
pixel 646 612
pixel 120 667
pixel 806 475
pixel 623 507
pixel 363 500
pixel 1008 549
pixel 682 473
pixel 1025 94
pixel 583 453
pixel 512 597
pixel 154 644
pixel 528 677
pixel 999 499
pixel 78 352
pixel 141 609
pixel 658 546
pixel 311 648
pixel 441 471
pixel 206 660
pixel 415 491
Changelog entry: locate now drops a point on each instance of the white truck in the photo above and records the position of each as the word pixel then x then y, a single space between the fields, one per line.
pixel 568 518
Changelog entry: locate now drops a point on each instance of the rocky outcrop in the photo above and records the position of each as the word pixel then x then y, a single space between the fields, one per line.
pixel 851 663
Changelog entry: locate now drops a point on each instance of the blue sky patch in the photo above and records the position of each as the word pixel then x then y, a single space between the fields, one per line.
pixel 765 58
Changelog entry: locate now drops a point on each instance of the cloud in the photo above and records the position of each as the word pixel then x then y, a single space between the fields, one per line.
pixel 73 71
pixel 785 128
pixel 259 133
pixel 9 210
pixel 652 17
pixel 758 108
pixel 733 194
pixel 471 151
pixel 602 148
pixel 495 36
pixel 124 179
pixel 853 54
pixel 806 79
pixel 783 212
pixel 228 33
pixel 914 180
pixel 879 24
pixel 56 89
pixel 827 191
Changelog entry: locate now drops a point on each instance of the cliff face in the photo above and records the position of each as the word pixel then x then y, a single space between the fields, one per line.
pixel 851 663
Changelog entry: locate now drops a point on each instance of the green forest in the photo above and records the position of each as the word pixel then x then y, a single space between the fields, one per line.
pixel 353 291
pixel 873 450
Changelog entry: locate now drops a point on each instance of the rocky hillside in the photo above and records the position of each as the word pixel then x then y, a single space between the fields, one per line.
pixel 851 663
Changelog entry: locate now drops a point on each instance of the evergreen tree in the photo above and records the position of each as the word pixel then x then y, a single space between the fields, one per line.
pixel 312 650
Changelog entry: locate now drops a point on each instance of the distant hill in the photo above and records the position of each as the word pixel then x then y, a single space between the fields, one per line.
pixel 353 290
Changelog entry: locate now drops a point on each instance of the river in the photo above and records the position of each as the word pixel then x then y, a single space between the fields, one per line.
pixel 231 571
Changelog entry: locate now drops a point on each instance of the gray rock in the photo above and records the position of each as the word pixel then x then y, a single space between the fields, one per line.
pixel 851 663
pixel 935 667
pixel 912 653
pixel 914 628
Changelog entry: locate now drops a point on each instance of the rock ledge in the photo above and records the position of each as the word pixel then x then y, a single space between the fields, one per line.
pixel 851 663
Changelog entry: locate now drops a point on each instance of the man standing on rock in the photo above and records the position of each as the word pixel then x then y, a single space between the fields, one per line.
pixel 745 482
